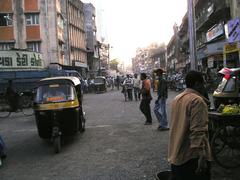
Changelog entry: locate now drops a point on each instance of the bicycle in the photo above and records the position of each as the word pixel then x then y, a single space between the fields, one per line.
pixel 6 109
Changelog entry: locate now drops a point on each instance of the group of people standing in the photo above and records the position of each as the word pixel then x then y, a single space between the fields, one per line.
pixel 132 85
pixel 160 103
pixel 189 150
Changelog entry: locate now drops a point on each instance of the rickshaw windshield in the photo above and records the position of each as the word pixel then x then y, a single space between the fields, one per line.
pixel 227 85
pixel 55 93
pixel 98 80
pixel 222 85
pixel 231 85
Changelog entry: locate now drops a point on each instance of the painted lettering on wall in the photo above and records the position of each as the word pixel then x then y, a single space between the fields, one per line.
pixel 20 60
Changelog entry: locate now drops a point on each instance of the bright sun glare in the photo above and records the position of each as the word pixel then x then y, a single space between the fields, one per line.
pixel 129 24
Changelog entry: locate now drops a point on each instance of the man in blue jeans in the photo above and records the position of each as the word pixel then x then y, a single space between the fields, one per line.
pixel 160 103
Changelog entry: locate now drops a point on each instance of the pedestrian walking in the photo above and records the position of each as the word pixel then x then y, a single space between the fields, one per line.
pixel 111 82
pixel 189 150
pixel 136 87
pixel 128 85
pixel 146 99
pixel 160 103
pixel 117 82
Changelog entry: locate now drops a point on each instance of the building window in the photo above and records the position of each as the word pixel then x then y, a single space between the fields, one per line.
pixel 5 19
pixel 34 46
pixel 32 19
pixel 6 46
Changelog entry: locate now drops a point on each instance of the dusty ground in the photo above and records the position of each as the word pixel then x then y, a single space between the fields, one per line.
pixel 115 146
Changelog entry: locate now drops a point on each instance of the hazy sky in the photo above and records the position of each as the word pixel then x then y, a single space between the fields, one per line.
pixel 129 24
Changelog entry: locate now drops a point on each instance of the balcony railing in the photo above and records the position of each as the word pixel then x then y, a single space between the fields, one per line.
pixel 210 10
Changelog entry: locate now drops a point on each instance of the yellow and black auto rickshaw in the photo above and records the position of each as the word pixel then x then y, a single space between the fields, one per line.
pixel 100 84
pixel 58 109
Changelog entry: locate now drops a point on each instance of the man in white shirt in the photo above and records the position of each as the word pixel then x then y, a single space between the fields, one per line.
pixel 128 85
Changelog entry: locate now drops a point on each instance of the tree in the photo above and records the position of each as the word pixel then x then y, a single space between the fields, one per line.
pixel 114 64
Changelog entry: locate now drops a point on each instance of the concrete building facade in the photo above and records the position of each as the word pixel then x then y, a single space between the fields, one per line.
pixel 173 51
pixel 54 28
pixel 91 39
pixel 211 16
pixel 158 57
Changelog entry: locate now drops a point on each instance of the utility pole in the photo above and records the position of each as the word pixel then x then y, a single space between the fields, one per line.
pixel 108 63
pixel 99 58
pixel 192 35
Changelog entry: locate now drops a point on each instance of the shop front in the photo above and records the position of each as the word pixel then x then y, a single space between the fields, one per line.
pixel 231 55
pixel 214 53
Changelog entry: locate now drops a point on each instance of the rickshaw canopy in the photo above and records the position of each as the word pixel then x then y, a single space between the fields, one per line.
pixel 225 71
pixel 100 79
pixel 61 79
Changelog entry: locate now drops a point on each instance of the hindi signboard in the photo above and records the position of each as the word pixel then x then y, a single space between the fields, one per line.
pixel 18 59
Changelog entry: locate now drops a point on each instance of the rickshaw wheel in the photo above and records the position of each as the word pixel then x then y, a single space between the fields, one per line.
pixel 224 153
pixel 57 144
pixel 82 125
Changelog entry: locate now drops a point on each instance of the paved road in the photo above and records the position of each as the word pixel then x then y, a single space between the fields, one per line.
pixel 115 146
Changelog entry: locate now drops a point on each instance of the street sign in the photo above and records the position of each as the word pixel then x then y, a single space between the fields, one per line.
pixel 234 30
pixel 17 59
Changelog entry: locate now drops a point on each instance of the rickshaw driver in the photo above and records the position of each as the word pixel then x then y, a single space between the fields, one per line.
pixel 54 93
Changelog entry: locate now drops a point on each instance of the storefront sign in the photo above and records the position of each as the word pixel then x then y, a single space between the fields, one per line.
pixel 20 60
pixel 201 53
pixel 214 32
pixel 215 48
pixel 80 64
pixel 231 47
pixel 234 30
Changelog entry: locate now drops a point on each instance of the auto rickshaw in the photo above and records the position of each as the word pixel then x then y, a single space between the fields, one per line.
pixel 58 109
pixel 100 84
pixel 228 90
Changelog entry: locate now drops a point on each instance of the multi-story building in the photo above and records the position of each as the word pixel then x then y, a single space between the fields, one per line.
pixel 54 28
pixel 231 50
pixel 173 51
pixel 183 63
pixel 104 56
pixel 76 33
pixel 141 62
pixel 149 58
pixel 210 17
pixel 158 57
pixel 91 40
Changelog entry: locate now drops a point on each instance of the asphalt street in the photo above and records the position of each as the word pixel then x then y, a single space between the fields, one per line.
pixel 115 146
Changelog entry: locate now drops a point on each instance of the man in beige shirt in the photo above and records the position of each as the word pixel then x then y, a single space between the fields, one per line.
pixel 189 150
